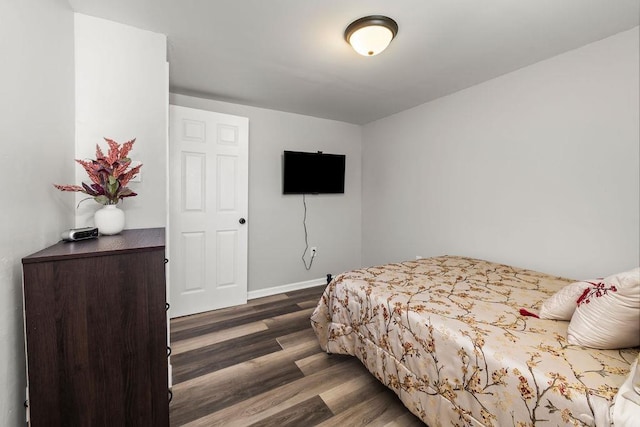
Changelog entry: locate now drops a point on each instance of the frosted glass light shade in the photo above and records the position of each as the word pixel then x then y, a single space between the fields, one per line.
pixel 370 41
pixel 371 35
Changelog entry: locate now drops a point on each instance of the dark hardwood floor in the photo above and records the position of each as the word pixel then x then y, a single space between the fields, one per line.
pixel 260 364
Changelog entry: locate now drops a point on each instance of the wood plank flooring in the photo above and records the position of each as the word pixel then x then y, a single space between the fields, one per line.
pixel 260 364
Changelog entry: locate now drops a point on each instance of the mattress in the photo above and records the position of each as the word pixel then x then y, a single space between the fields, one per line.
pixel 446 335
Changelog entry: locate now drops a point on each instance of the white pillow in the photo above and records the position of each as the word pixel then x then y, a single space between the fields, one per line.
pixel 563 303
pixel 626 409
pixel 607 315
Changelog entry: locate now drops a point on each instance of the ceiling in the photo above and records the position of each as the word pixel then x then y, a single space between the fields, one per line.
pixel 290 55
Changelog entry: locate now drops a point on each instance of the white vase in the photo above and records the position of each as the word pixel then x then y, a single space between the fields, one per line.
pixel 109 220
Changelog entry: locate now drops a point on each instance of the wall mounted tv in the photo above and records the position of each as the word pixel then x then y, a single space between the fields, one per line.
pixel 313 173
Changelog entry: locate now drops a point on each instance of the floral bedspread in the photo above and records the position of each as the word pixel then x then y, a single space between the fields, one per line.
pixel 446 335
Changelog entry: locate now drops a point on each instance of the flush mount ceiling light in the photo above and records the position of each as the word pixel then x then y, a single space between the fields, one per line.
pixel 371 35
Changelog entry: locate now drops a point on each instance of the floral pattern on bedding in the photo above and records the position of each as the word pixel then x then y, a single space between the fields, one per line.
pixel 446 335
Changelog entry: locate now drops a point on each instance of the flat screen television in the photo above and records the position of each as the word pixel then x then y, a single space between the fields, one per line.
pixel 313 173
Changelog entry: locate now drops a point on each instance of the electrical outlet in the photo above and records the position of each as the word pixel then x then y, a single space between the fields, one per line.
pixel 314 251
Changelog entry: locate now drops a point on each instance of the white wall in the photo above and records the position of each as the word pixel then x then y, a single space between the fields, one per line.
pixel 276 234
pixel 37 143
pixel 537 168
pixel 122 93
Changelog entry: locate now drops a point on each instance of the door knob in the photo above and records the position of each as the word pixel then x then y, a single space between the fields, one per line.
pixel 242 221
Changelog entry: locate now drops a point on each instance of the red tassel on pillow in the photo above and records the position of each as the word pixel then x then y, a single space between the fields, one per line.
pixel 525 312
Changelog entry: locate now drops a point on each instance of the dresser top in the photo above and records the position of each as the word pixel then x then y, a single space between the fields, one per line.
pixel 144 239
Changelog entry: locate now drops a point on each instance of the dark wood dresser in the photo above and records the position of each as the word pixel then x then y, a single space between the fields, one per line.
pixel 96 331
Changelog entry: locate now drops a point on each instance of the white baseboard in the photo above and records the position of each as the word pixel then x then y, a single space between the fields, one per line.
pixel 259 293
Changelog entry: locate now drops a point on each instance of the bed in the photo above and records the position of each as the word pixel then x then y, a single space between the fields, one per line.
pixel 447 336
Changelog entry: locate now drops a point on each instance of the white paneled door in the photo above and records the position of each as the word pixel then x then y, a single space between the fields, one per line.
pixel 208 205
